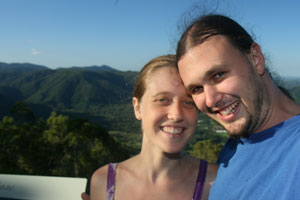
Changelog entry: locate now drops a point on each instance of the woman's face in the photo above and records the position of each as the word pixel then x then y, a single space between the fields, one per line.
pixel 167 112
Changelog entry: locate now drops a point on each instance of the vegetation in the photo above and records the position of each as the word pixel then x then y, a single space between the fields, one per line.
pixel 295 93
pixel 69 122
pixel 58 146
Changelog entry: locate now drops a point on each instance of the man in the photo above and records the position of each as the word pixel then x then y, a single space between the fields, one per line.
pixel 224 71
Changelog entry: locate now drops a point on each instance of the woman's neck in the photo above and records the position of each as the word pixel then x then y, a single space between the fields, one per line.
pixel 156 165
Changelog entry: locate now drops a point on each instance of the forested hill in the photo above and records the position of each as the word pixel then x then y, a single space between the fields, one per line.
pixel 100 94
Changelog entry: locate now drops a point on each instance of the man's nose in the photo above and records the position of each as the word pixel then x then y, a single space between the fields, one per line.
pixel 212 96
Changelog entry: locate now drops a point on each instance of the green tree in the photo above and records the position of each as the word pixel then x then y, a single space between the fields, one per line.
pixel 9 140
pixel 22 113
pixel 206 150
pixel 79 147
pixel 58 146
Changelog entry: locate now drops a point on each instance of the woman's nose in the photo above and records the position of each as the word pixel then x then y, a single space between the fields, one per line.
pixel 175 112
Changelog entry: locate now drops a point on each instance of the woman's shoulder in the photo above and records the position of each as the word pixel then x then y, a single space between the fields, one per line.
pixel 211 174
pixel 99 182
pixel 195 162
pixel 100 174
pixel 211 170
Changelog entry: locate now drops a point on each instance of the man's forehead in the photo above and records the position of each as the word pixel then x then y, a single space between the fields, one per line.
pixel 212 44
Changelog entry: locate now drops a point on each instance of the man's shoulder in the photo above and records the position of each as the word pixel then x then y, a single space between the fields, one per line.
pixel 292 124
pixel 228 151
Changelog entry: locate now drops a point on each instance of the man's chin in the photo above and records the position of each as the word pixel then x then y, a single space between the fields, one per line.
pixel 237 135
pixel 237 130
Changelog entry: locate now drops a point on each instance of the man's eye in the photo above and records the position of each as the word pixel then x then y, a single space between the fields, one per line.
pixel 197 90
pixel 219 75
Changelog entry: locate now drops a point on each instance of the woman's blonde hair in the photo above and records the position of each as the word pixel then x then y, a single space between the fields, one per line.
pixel 149 69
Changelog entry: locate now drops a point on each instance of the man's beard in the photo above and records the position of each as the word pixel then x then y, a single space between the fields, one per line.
pixel 243 130
pixel 254 119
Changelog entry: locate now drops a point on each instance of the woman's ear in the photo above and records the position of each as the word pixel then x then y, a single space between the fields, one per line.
pixel 258 59
pixel 137 108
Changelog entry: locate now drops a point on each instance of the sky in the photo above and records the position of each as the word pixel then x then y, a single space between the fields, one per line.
pixel 126 34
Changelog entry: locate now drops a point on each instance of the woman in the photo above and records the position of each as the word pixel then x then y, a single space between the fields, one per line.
pixel 161 170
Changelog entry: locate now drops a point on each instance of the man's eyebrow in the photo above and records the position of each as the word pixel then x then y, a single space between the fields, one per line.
pixel 207 74
pixel 214 69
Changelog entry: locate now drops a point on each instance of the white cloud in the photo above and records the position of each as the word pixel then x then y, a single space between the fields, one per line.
pixel 35 52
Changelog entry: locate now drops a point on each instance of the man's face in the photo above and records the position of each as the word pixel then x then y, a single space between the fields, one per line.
pixel 226 85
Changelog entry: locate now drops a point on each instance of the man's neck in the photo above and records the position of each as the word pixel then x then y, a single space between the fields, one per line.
pixel 282 108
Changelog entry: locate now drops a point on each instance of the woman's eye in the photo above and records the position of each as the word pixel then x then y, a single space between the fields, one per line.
pixel 162 100
pixel 189 103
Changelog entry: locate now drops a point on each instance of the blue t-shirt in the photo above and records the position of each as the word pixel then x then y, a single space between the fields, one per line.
pixel 264 166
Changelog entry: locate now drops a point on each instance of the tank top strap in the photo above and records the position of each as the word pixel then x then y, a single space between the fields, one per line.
pixel 111 175
pixel 200 180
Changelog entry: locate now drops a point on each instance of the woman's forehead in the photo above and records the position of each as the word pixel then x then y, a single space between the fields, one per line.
pixel 168 74
pixel 165 79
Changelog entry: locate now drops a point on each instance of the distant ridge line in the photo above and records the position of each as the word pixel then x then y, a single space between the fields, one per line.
pixel 31 67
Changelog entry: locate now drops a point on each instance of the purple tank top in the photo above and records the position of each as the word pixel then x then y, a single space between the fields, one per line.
pixel 110 189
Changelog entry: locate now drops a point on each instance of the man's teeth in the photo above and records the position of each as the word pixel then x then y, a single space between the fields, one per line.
pixel 172 130
pixel 230 109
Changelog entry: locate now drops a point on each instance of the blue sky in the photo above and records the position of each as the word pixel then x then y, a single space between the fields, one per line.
pixel 125 34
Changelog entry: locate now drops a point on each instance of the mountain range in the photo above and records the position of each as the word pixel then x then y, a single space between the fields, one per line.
pixel 101 94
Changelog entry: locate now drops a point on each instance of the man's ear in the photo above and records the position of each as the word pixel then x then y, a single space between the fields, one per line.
pixel 258 59
pixel 137 108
